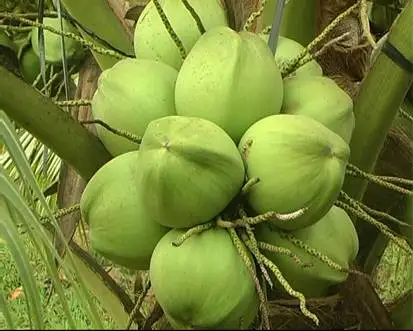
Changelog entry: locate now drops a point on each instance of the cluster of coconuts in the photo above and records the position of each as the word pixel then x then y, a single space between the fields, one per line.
pixel 29 48
pixel 208 123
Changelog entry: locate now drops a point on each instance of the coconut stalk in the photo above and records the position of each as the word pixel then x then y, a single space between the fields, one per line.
pixel 99 17
pixel 375 107
pixel 51 125
pixel 377 104
pixel 298 20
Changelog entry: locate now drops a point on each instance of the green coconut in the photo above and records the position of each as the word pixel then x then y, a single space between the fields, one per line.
pixel 230 79
pixel 52 42
pixel 29 64
pixel 119 229
pixel 333 235
pixel 322 99
pixel 153 41
pixel 203 283
pixel 189 170
pixel 300 164
pixel 287 50
pixel 131 94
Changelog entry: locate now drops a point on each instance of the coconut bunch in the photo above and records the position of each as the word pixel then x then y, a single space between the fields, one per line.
pixel 235 175
pixel 28 49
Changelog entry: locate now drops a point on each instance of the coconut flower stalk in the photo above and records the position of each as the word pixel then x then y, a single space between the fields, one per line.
pixel 378 101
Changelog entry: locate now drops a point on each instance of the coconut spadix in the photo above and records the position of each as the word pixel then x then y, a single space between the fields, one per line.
pixel 333 236
pixel 119 228
pixel 129 95
pixel 231 79
pixel 322 99
pixel 52 42
pixel 189 170
pixel 287 50
pixel 203 283
pixel 152 39
pixel 300 164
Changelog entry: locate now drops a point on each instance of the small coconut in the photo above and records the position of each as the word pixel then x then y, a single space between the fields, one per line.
pixel 119 229
pixel 129 95
pixel 189 171
pixel 322 99
pixel 153 41
pixel 300 164
pixel 334 236
pixel 52 42
pixel 231 79
pixel 203 283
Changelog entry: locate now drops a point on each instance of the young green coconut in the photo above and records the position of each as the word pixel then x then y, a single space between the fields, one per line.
pixel 322 99
pixel 52 42
pixel 300 164
pixel 131 94
pixel 29 64
pixel 334 236
pixel 203 283
pixel 287 50
pixel 153 41
pixel 189 171
pixel 231 79
pixel 119 229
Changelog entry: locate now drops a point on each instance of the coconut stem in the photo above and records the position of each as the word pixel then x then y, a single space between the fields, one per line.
pixel 170 30
pixel 284 251
pixel 121 133
pixel 254 247
pixel 195 16
pixel 383 215
pixel 250 183
pixel 138 304
pixel 273 216
pixel 364 19
pixel 323 258
pixel 293 64
pixel 354 171
pixel 254 15
pixel 71 35
pixel 354 209
pixel 289 289
pixel 250 266
pixel 193 231
pixel 72 103
pixel 63 212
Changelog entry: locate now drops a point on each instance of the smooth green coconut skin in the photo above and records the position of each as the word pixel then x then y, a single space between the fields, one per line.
pixel 334 236
pixel 52 42
pixel 189 170
pixel 29 64
pixel 230 79
pixel 287 50
pixel 119 229
pixel 300 164
pixel 152 40
pixel 131 94
pixel 204 283
pixel 322 99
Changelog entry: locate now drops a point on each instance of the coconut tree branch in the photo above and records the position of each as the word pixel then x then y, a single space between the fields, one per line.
pixel 51 125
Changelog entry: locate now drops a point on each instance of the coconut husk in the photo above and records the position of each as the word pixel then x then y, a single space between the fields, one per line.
pixel 347 61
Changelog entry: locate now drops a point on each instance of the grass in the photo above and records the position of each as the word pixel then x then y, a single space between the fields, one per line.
pixel 54 317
